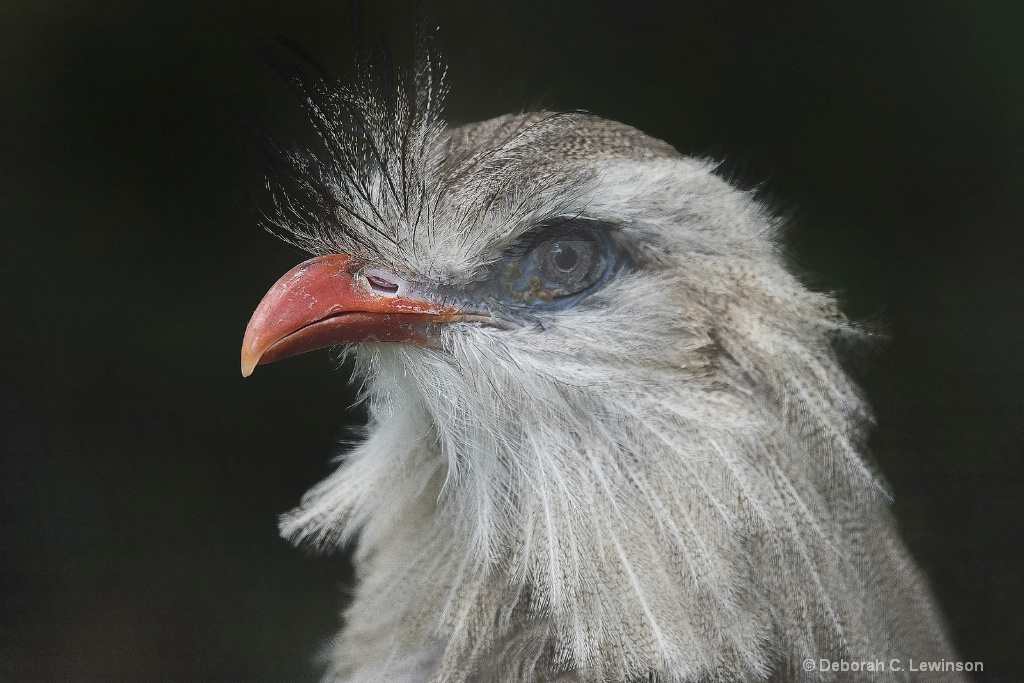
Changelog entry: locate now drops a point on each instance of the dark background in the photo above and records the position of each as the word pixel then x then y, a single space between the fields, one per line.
pixel 141 477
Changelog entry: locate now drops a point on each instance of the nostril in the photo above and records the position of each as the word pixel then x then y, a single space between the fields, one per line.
pixel 381 285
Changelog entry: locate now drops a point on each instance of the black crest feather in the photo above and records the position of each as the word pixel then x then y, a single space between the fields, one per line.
pixel 369 179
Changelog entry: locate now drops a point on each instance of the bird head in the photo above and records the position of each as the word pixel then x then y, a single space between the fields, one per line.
pixel 593 386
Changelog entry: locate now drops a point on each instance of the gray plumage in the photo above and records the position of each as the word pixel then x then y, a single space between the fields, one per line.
pixel 664 481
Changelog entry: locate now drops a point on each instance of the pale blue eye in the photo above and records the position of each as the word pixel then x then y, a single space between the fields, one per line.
pixel 557 272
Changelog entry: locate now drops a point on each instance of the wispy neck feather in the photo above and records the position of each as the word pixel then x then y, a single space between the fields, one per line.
pixel 703 515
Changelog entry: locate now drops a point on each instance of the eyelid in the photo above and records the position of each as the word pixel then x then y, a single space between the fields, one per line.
pixel 546 232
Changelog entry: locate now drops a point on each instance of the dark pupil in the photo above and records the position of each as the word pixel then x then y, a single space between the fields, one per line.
pixel 565 256
pixel 567 264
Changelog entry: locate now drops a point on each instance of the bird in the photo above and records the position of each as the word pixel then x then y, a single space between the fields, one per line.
pixel 610 436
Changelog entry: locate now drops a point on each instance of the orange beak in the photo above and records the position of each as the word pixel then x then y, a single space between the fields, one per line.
pixel 330 300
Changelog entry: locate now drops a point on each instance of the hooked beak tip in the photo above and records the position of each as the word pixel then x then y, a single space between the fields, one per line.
pixel 249 361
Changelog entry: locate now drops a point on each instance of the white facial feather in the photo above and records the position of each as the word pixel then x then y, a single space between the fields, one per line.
pixel 665 482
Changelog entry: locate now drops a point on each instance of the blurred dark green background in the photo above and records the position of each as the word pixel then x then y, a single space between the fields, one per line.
pixel 141 477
